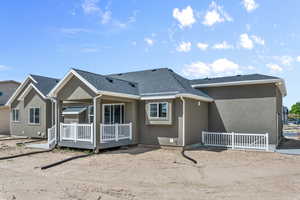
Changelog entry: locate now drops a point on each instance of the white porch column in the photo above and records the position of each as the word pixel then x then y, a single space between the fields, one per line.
pixel 97 121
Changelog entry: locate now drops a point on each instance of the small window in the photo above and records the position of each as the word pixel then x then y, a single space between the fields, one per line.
pixel 1 93
pixel 34 116
pixel 15 115
pixel 158 110
pixel 91 114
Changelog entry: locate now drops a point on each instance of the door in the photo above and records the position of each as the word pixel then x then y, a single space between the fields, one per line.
pixel 113 113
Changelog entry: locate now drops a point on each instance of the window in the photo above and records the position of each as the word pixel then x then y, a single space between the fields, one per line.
pixel 158 110
pixel 15 115
pixel 113 114
pixel 34 116
pixel 91 114
pixel 1 93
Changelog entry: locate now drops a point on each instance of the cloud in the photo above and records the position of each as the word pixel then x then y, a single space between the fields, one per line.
pixel 202 46
pixel 4 67
pixel 274 68
pixel 73 31
pixel 250 5
pixel 246 42
pixel 149 41
pixel 258 40
pixel 285 60
pixel 184 47
pixel 185 17
pixel 106 17
pixel 222 45
pixel 219 67
pixel 90 6
pixel 298 58
pixel 215 14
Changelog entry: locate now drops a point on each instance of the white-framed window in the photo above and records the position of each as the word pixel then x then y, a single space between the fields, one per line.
pixel 34 115
pixel 15 115
pixel 113 113
pixel 158 110
pixel 91 114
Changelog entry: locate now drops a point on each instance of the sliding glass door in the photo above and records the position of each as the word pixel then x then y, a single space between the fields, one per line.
pixel 113 114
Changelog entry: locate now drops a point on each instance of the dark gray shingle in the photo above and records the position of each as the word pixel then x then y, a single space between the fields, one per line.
pixel 44 84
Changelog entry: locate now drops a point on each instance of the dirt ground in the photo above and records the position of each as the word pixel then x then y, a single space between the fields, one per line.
pixel 147 173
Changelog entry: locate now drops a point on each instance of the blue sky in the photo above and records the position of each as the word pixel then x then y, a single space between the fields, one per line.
pixel 195 38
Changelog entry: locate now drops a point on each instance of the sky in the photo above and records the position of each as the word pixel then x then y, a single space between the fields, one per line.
pixel 195 38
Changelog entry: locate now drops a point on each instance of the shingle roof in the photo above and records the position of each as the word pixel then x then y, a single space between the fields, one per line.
pixel 162 81
pixel 44 84
pixel 6 92
pixel 249 77
pixel 106 83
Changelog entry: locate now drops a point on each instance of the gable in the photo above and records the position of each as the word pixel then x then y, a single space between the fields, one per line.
pixel 14 98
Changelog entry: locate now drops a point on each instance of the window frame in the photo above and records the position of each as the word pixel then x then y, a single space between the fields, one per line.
pixel 114 104
pixel 30 123
pixel 91 114
pixel 157 111
pixel 13 115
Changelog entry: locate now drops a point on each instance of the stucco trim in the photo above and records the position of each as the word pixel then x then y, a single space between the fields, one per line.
pixel 280 83
pixel 19 89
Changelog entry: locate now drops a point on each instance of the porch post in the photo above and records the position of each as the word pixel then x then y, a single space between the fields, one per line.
pixel 97 121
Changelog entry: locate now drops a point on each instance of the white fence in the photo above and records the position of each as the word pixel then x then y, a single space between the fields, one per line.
pixel 115 132
pixel 51 136
pixel 76 132
pixel 236 140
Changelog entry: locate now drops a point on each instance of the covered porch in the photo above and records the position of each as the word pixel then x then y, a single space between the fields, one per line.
pixel 88 119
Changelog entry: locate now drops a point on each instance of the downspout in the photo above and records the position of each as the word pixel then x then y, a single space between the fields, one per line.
pixel 183 120
pixel 55 118
pixel 95 119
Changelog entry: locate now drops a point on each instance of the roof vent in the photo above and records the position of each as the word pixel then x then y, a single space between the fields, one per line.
pixel 239 75
pixel 109 79
pixel 120 74
pixel 170 70
pixel 154 70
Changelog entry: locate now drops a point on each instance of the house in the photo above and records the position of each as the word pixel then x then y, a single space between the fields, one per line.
pixel 160 107
pixel 7 88
pixel 31 109
pixel 154 107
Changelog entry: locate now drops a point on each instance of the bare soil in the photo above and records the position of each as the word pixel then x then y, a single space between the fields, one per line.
pixel 148 173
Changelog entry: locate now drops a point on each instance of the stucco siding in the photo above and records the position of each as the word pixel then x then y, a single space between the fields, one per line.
pixel 4 121
pixel 196 120
pixel 23 128
pixel 245 109
pixel 155 134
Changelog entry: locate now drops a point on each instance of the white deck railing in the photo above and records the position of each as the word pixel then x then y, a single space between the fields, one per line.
pixel 76 132
pixel 51 136
pixel 115 132
pixel 236 140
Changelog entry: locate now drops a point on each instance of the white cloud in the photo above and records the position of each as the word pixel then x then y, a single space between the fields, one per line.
pixel 90 6
pixel 251 68
pixel 185 17
pixel 106 17
pixel 274 68
pixel 250 5
pixel 184 47
pixel 285 60
pixel 4 67
pixel 149 41
pixel 202 46
pixel 246 42
pixel 298 58
pixel 219 67
pixel 215 14
pixel 258 40
pixel 222 45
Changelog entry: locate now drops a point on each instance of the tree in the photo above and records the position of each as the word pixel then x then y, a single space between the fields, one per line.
pixel 296 109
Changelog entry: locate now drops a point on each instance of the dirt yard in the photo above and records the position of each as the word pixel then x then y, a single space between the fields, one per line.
pixel 145 173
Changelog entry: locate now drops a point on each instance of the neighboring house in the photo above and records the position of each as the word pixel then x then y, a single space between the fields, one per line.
pixel 285 114
pixel 7 88
pixel 31 109
pixel 159 107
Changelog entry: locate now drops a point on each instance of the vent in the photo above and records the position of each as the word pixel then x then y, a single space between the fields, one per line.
pixel 109 80
pixel 154 70
pixel 120 74
pixel 132 85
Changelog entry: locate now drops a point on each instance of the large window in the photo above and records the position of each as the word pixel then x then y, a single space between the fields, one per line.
pixel 34 116
pixel 113 114
pixel 15 115
pixel 158 110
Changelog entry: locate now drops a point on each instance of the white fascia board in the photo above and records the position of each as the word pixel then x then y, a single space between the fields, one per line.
pixel 19 89
pixel 31 86
pixel 64 81
pixel 252 82
pixel 117 94
pixel 196 97
pixel 158 97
